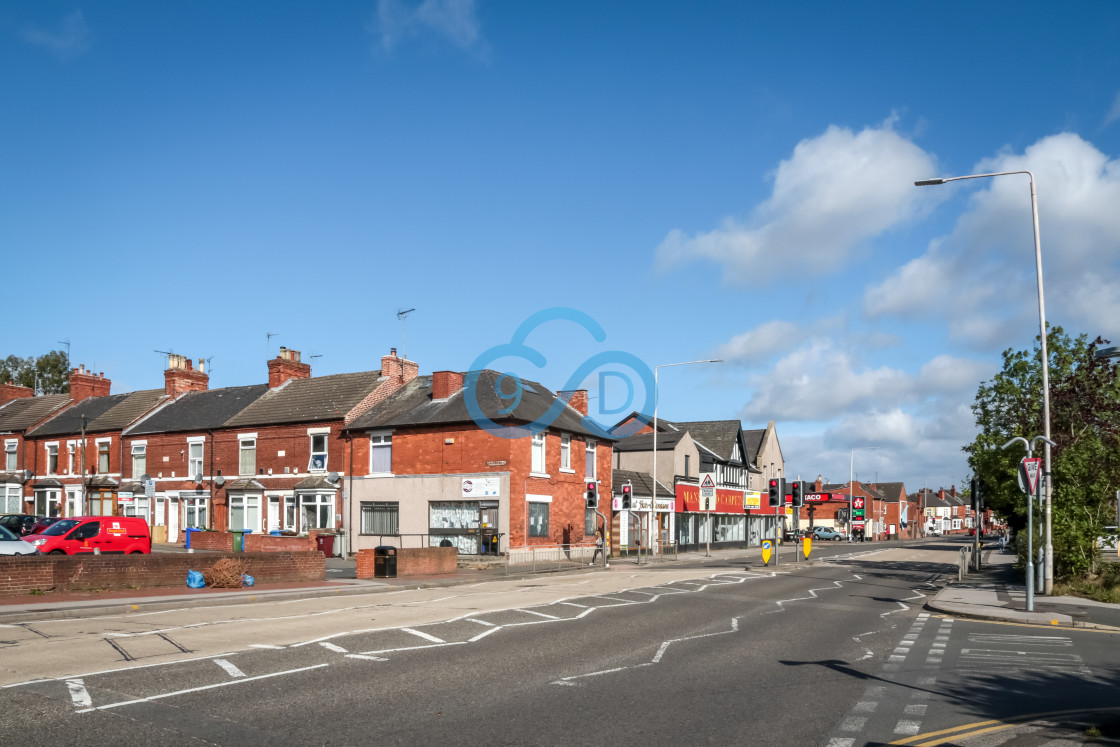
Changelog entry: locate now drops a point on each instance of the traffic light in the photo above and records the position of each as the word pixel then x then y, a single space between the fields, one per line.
pixel 627 494
pixel 592 495
pixel 776 490
pixel 795 494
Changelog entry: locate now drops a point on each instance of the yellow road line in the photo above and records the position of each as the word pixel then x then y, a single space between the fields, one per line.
pixel 965 731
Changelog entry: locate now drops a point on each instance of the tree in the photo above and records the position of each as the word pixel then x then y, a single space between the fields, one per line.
pixel 47 374
pixel 1085 425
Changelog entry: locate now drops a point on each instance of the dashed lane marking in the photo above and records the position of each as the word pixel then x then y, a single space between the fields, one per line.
pixel 78 693
pixel 231 669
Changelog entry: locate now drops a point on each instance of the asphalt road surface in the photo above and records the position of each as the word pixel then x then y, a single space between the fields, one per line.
pixel 837 652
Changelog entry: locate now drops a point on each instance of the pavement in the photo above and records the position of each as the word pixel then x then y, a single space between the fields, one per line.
pixel 997 592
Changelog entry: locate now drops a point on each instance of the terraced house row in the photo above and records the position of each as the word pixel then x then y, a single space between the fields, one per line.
pixel 385 456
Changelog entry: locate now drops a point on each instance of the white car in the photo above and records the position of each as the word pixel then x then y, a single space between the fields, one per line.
pixel 13 545
pixel 1108 540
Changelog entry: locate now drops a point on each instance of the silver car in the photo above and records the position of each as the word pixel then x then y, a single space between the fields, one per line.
pixel 13 545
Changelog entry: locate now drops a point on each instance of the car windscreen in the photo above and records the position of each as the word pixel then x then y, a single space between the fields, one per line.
pixel 7 535
pixel 60 527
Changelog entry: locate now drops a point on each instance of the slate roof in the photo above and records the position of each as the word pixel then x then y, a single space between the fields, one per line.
pixel 719 436
pixel 889 491
pixel 21 414
pixel 642 482
pixel 109 413
pixel 412 405
pixel 753 441
pixel 306 400
pixel 199 411
pixel 644 442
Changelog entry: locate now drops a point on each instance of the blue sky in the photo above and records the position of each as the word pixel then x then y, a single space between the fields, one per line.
pixel 705 180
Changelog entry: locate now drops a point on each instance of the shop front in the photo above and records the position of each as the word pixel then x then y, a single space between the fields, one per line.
pixel 738 519
pixel 634 525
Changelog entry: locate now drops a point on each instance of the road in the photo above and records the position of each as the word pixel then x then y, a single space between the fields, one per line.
pixel 837 652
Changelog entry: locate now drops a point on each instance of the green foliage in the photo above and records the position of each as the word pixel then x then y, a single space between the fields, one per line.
pixel 47 374
pixel 1085 425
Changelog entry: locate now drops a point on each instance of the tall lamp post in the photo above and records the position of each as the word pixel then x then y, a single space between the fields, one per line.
pixel 851 487
pixel 1048 545
pixel 653 499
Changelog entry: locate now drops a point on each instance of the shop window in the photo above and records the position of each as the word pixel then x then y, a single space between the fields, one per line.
pixel 538 519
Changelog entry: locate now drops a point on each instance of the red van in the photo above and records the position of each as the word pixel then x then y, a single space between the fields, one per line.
pixel 91 534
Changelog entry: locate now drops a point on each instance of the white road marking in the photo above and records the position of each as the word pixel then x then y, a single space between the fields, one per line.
pixel 199 689
pixel 915 709
pixel 853 723
pixel 112 671
pixel 367 658
pixel 480 622
pixel 231 669
pixel 908 728
pixel 866 706
pixel 263 645
pixel 841 742
pixel 422 634
pixel 534 612
pixel 333 647
pixel 78 693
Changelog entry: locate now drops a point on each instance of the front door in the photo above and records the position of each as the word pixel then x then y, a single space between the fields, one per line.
pixel 273 513
pixel 172 520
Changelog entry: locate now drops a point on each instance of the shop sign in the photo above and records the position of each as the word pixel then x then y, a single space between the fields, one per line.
pixel 727 501
pixel 664 505
pixel 482 487
pixel 752 499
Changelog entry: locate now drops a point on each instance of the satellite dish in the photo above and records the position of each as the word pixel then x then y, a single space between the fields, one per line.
pixel 198 477
pixel 145 477
pixel 332 477
pixel 219 481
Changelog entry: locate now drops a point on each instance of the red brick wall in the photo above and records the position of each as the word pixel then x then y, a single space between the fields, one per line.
pixel 8 392
pixel 223 542
pixel 20 574
pixel 414 561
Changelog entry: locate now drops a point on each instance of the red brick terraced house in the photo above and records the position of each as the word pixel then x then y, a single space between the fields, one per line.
pixel 20 411
pixel 426 472
pixel 280 462
pixel 75 456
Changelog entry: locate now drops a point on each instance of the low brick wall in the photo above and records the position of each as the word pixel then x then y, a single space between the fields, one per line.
pixel 223 542
pixel 414 561
pixel 20 574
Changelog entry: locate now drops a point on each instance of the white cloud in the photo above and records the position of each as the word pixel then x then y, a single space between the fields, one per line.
pixel 453 20
pixel 981 277
pixel 69 41
pixel 761 342
pixel 832 195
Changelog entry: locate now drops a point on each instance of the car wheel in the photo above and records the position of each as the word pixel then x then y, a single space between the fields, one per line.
pixel 57 552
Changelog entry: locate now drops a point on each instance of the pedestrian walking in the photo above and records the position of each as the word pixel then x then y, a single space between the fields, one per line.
pixel 1002 544
pixel 598 549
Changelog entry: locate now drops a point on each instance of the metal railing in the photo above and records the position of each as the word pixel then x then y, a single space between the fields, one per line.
pixel 484 543
pixel 666 551
pixel 548 558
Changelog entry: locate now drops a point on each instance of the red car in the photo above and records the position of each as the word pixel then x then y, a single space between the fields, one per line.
pixel 42 524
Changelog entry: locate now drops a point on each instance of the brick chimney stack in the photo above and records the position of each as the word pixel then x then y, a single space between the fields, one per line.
pixel 941 494
pixel 577 398
pixel 446 383
pixel 285 367
pixel 180 376
pixel 84 384
pixel 397 369
pixel 8 392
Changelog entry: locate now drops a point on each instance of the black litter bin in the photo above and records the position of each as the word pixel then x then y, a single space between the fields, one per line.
pixel 385 561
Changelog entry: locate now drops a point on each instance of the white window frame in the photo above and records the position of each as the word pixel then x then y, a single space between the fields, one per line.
pixel 191 508
pixel 11 499
pixel 200 469
pixel 315 502
pixel 589 456
pixel 566 453
pixel 538 455
pixel 249 504
pixel 71 448
pixel 312 464
pixel 381 442
pixel 139 449
pixel 11 454
pixel 52 450
pixel 242 440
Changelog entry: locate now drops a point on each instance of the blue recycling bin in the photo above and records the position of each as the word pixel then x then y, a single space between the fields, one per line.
pixel 188 532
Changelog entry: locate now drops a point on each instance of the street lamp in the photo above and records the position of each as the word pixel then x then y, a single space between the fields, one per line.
pixel 851 488
pixel 1049 548
pixel 653 498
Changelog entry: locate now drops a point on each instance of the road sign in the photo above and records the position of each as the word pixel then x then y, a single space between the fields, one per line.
pixel 707 492
pixel 767 549
pixel 806 545
pixel 1028 474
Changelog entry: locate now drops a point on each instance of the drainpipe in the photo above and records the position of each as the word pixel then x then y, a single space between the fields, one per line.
pixel 84 482
pixel 213 490
pixel 348 499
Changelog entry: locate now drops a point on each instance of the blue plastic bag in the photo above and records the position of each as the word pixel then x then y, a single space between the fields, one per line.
pixel 247 580
pixel 195 579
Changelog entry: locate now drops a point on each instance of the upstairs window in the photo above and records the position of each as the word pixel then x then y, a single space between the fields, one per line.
pixel 71 447
pixel 537 466
pixel 565 451
pixel 589 459
pixel 318 461
pixel 10 447
pixel 381 454
pixel 139 460
pixel 248 462
pixel 52 459
pixel 195 451
pixel 103 458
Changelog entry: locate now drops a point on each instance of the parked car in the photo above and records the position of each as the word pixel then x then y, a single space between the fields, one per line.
pixel 827 533
pixel 19 524
pixel 10 544
pixel 1107 541
pixel 88 534
pixel 43 523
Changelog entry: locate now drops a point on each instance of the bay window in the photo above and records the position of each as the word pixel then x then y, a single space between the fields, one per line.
pixel 245 512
